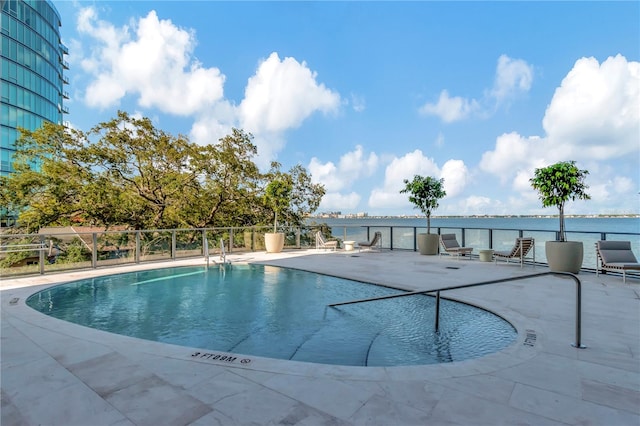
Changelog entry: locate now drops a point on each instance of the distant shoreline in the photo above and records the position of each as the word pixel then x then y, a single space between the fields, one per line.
pixel 592 216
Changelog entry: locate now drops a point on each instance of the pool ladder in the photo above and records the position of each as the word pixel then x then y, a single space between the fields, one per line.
pixel 223 254
pixel 576 344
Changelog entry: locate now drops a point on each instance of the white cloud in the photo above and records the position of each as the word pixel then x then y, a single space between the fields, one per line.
pixel 513 76
pixel 334 201
pixel 455 175
pixel 595 113
pixel 352 166
pixel 281 95
pixel 152 59
pixel 358 103
pixel 450 109
pixel 399 169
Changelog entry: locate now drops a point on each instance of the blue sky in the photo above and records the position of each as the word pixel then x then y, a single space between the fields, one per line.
pixel 366 94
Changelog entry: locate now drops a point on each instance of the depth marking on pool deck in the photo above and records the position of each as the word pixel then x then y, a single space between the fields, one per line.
pixel 530 339
pixel 219 357
pixel 168 278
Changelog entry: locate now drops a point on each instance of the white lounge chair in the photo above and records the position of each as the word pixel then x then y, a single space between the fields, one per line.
pixel 450 245
pixel 375 243
pixel 321 243
pixel 519 251
pixel 616 256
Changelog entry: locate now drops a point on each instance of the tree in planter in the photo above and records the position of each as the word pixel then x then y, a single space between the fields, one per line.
pixel 559 183
pixel 424 193
pixel 277 196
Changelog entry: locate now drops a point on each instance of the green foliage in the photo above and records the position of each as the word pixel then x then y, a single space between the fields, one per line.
pixel 127 172
pixel 292 195
pixel 424 193
pixel 558 183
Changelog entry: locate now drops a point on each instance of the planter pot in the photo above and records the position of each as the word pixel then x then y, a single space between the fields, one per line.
pixel 428 243
pixel 274 242
pixel 564 256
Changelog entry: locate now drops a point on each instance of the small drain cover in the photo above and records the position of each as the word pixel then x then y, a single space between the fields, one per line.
pixel 452 267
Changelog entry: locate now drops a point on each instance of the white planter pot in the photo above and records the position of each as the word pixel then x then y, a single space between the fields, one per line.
pixel 564 256
pixel 428 243
pixel 274 242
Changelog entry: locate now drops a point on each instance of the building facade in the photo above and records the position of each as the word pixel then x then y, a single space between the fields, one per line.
pixel 32 77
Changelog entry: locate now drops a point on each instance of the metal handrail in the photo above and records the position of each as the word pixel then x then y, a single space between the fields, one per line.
pixel 577 343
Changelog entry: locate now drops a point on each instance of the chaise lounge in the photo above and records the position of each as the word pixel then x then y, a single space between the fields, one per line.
pixel 450 245
pixel 375 242
pixel 321 243
pixel 616 256
pixel 519 251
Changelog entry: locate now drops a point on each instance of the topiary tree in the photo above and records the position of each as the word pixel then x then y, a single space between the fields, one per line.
pixel 559 183
pixel 424 193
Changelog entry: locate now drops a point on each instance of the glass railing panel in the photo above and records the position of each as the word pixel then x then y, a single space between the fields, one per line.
pixel 188 243
pixel 155 245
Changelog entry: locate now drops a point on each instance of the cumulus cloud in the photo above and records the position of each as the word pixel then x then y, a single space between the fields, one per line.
pixel 151 59
pixel 450 109
pixel 282 94
pixel 593 116
pixel 414 163
pixel 352 166
pixel 455 175
pixel 595 113
pixel 513 77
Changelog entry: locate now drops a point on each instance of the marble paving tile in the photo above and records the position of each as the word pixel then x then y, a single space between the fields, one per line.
pixel 256 405
pixel 223 385
pixel 75 406
pixel 382 411
pixel 339 398
pixel 567 409
pixel 108 373
pixel 484 386
pixel 464 409
pixel 154 402
pixel 612 395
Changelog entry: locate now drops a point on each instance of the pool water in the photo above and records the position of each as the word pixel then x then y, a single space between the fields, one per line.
pixel 278 313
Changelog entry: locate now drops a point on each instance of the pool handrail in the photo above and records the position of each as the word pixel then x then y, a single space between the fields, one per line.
pixel 577 344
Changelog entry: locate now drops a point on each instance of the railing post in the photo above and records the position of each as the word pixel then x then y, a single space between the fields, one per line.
pixel 173 245
pixel 490 238
pixel 578 343
pixel 415 238
pixel 437 321
pixel 391 238
pixel 41 254
pixel 230 239
pixel 94 250
pixel 137 256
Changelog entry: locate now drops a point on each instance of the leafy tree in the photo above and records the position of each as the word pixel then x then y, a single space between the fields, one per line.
pixel 424 193
pixel 291 195
pixel 559 183
pixel 127 172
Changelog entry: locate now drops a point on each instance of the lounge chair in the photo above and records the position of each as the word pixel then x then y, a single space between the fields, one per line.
pixel 519 251
pixel 376 243
pixel 321 243
pixel 450 245
pixel 616 256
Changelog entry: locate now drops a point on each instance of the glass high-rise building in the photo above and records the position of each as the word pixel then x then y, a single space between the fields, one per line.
pixel 32 76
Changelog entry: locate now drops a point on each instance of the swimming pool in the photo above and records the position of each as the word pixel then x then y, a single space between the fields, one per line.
pixel 277 313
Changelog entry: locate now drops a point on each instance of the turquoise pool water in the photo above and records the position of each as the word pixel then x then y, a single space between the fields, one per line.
pixel 278 313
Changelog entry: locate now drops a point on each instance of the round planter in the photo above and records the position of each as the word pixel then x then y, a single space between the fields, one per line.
pixel 428 243
pixel 564 256
pixel 274 242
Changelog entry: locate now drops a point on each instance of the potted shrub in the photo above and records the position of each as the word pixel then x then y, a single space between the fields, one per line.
pixel 424 193
pixel 557 184
pixel 278 197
